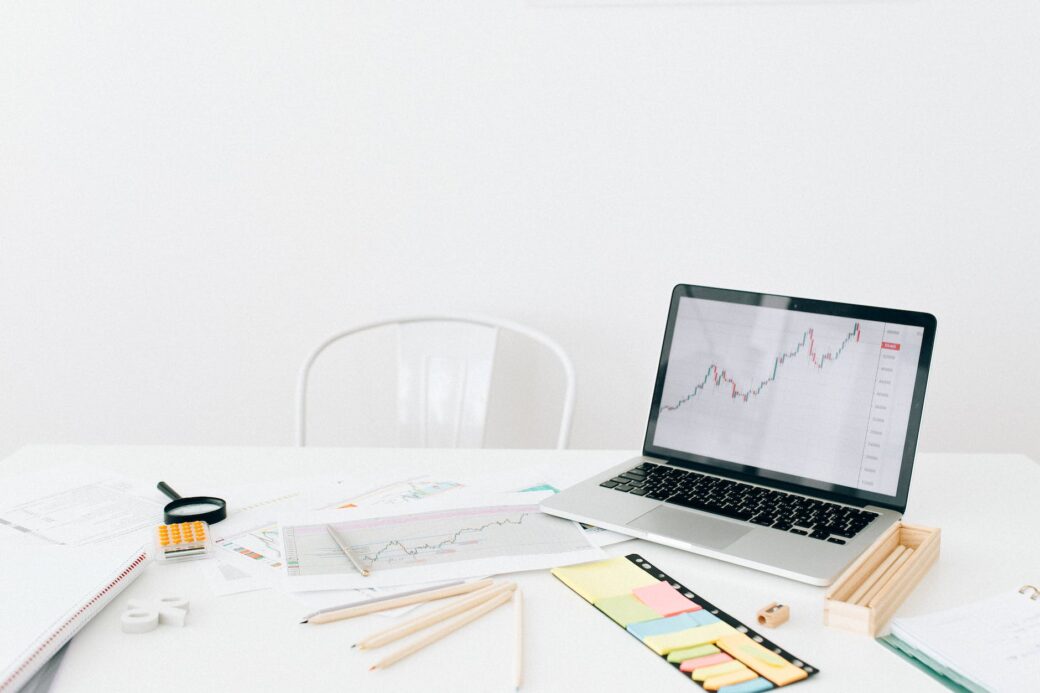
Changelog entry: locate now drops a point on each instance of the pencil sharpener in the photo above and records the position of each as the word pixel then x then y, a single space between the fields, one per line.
pixel 182 541
pixel 773 615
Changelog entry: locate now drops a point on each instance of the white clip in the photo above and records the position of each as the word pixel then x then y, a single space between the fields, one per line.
pixel 143 615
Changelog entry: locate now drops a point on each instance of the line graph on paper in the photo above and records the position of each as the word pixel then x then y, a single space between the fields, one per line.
pixel 813 395
pixel 436 544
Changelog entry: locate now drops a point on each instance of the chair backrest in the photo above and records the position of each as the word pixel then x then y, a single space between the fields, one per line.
pixel 444 369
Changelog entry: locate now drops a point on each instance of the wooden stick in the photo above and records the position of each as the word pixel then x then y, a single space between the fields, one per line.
pixel 395 602
pixel 518 603
pixel 448 629
pixel 857 596
pixel 398 631
pixel 871 596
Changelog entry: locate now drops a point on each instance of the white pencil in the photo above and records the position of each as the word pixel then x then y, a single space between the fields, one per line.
pixel 518 607
pixel 346 550
pixel 375 600
pixel 395 602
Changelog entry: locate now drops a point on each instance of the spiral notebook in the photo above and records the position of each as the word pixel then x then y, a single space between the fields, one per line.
pixel 988 646
pixel 47 593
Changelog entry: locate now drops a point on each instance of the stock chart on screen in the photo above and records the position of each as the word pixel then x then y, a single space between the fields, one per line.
pixel 812 395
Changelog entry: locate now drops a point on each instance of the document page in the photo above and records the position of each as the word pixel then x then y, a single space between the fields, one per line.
pixel 75 504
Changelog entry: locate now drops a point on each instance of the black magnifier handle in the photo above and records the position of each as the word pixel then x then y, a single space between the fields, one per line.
pixel 167 491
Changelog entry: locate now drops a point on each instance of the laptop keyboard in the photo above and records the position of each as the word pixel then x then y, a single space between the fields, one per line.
pixel 782 511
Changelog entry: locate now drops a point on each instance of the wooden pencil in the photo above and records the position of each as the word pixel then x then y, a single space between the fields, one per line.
pixel 868 584
pixel 396 602
pixel 449 628
pixel 398 631
pixel 518 607
pixel 889 575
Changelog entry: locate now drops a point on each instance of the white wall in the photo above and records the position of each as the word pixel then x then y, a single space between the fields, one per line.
pixel 193 193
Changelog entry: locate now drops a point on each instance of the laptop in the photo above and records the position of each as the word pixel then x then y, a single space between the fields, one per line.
pixel 781 436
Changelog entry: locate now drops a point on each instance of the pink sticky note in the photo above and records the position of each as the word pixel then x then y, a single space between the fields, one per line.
pixel 707 661
pixel 664 599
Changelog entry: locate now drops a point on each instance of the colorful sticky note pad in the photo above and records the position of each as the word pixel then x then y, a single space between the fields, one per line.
pixel 701 635
pixel 660 626
pixel 715 670
pixel 601 579
pixel 753 686
pixel 664 599
pixel 626 609
pixel 703 618
pixel 768 664
pixel 709 646
pixel 706 661
pixel 676 656
pixel 720 682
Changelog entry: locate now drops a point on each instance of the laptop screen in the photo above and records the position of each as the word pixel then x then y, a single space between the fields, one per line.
pixel 815 394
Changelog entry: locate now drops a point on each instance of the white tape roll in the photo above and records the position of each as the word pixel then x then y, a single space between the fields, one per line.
pixel 139 620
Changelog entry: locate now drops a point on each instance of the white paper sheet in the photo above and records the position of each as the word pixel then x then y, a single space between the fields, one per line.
pixel 77 504
pixel 455 537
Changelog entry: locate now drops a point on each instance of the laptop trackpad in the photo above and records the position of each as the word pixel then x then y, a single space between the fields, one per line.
pixel 692 527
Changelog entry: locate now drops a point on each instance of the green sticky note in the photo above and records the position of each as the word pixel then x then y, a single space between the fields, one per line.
pixel 626 609
pixel 678 656
pixel 600 579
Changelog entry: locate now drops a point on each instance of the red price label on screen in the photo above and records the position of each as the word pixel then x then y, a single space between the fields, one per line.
pixel 894 346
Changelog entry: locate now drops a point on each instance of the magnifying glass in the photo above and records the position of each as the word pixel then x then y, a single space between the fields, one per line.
pixel 179 509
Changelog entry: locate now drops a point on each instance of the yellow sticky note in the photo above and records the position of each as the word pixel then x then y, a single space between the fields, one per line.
pixel 768 664
pixel 733 679
pixel 705 673
pixel 601 579
pixel 691 637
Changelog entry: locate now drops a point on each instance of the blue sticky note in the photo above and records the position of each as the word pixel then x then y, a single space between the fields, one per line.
pixel 702 617
pixel 753 686
pixel 661 626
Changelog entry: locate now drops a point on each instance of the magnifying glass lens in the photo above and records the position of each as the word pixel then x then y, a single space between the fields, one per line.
pixel 192 509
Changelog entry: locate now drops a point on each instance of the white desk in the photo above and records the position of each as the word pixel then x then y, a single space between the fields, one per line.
pixel 986 505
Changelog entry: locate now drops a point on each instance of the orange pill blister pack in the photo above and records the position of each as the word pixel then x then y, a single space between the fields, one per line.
pixel 182 541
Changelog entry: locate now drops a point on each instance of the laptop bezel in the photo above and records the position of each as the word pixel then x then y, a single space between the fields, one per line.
pixel 814 487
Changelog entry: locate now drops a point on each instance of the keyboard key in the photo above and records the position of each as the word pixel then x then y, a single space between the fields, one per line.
pixel 759 505
pixel 836 541
pixel 715 510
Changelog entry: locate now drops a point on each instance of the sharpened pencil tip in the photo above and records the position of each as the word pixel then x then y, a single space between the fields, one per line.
pixel 304 621
pixel 373 667
pixel 353 646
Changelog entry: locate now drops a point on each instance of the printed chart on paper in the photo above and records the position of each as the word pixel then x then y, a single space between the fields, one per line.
pixel 448 542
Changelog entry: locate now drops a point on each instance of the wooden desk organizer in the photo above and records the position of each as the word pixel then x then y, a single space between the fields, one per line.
pixel 861 604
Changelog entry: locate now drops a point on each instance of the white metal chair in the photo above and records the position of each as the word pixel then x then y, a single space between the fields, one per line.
pixel 444 368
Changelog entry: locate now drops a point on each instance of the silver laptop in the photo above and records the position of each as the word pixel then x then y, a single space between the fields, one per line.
pixel 781 436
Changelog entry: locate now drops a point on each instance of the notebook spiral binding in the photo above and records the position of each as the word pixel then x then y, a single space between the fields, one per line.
pixel 1026 589
pixel 64 632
